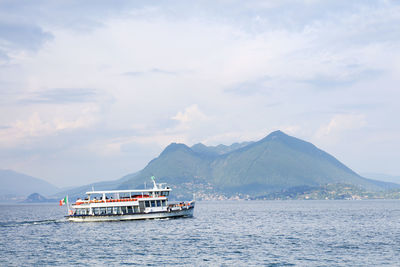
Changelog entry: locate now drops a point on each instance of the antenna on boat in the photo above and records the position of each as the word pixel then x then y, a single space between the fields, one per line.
pixel 154 181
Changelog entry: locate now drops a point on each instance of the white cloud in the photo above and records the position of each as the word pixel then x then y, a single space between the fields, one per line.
pixel 191 113
pixel 28 130
pixel 227 72
pixel 340 124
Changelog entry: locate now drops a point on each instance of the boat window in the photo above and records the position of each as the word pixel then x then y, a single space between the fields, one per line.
pixel 166 193
pixel 153 203
pixel 135 209
pixel 109 210
pixel 147 203
pixel 158 203
pixel 130 210
pixel 163 202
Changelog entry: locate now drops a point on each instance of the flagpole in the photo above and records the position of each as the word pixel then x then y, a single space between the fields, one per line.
pixel 67 205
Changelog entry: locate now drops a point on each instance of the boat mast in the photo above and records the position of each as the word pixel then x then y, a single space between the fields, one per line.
pixel 68 208
pixel 154 182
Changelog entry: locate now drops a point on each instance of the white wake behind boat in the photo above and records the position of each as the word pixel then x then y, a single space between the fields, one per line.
pixel 120 205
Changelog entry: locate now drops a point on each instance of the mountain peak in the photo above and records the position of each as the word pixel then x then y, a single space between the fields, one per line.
pixel 176 147
pixel 275 135
pixel 199 145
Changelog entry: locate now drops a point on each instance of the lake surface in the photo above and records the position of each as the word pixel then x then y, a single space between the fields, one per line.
pixel 240 233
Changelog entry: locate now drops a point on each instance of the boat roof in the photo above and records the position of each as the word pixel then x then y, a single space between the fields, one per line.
pixel 129 191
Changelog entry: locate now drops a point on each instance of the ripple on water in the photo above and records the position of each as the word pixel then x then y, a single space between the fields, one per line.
pixel 269 233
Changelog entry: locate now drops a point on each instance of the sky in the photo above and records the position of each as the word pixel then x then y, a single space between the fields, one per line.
pixel 93 90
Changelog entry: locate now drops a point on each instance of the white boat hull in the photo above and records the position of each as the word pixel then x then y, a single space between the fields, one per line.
pixel 128 217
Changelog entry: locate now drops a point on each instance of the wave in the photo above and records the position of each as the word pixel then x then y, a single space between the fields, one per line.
pixel 39 222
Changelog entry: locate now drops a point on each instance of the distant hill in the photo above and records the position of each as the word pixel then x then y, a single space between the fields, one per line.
pixel 81 190
pixel 38 198
pixel 15 185
pixel 276 163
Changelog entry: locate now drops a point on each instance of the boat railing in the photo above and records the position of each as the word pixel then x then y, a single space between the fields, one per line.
pixel 122 199
pixel 181 204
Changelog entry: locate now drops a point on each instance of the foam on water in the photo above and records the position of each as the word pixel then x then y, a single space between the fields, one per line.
pixel 16 224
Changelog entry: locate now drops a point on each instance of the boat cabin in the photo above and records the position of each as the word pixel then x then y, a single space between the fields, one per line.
pixel 123 202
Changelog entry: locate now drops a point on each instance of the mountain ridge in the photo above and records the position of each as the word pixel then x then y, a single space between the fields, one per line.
pixel 274 163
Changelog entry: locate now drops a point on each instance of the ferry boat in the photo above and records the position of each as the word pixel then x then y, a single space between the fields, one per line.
pixel 121 205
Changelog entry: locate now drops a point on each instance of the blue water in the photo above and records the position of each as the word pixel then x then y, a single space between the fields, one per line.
pixel 240 233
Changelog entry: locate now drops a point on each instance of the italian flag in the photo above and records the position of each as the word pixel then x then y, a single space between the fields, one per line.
pixel 63 201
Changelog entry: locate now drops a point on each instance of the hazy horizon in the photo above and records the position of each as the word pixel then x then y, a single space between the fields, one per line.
pixel 91 91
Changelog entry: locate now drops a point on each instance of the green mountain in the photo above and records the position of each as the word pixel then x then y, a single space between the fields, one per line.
pixel 280 161
pixel 276 163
